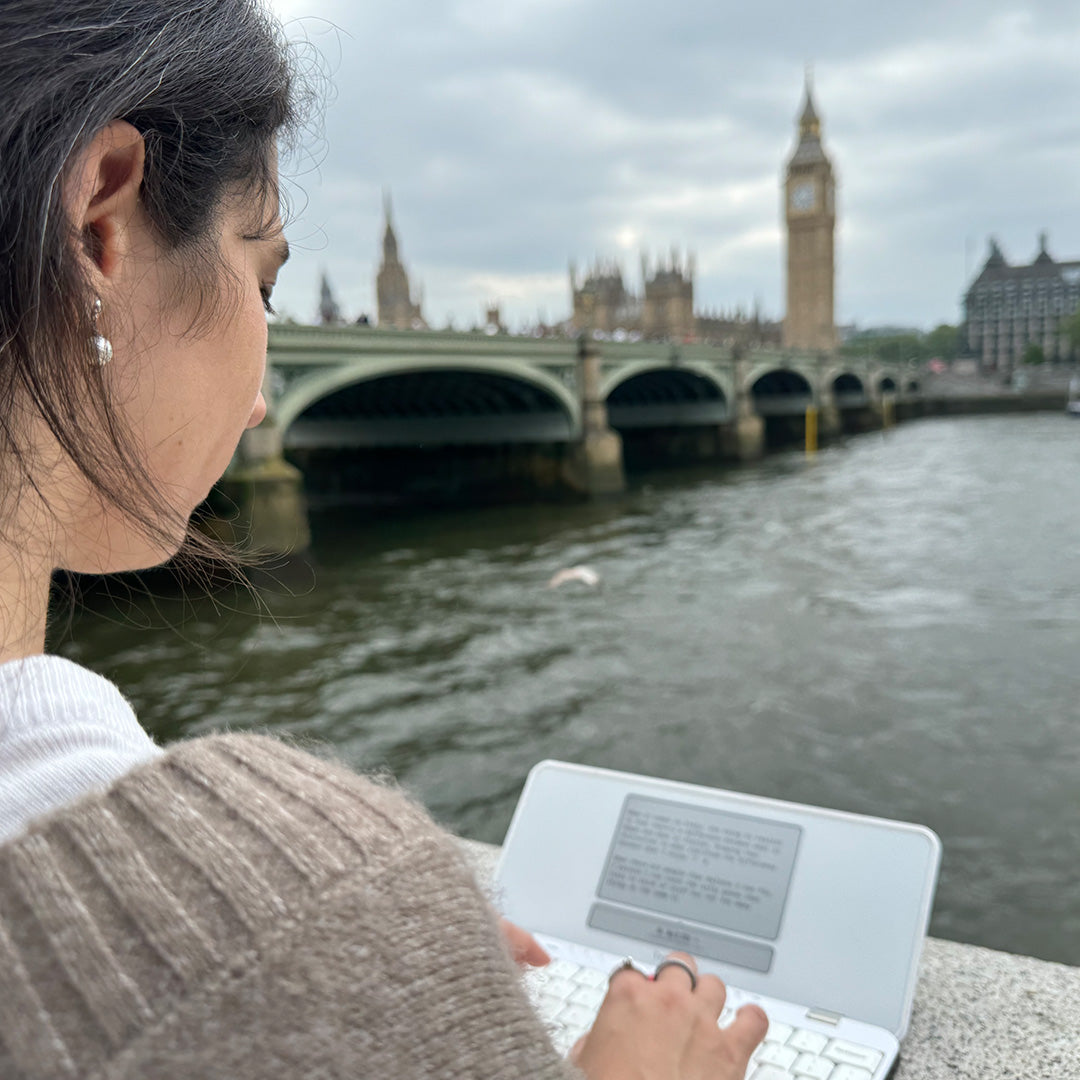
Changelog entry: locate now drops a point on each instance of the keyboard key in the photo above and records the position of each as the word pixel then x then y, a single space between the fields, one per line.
pixel 769 1072
pixel 812 1066
pixel 726 1017
pixel 850 1072
pixel 557 989
pixel 562 1039
pixel 778 1033
pixel 591 977
pixel 783 1057
pixel 808 1042
pixel 576 1016
pixel 587 996
pixel 852 1054
pixel 561 969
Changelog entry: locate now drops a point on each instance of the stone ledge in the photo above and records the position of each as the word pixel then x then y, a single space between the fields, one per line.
pixel 979 1014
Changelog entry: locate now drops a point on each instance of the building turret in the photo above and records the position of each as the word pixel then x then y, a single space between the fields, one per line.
pixel 1044 258
pixel 809 122
pixel 668 310
pixel 390 245
pixel 329 311
pixel 397 309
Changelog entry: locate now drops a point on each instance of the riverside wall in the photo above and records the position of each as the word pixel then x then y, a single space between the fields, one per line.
pixel 976 404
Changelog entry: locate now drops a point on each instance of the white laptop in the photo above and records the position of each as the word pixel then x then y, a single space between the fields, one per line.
pixel 816 915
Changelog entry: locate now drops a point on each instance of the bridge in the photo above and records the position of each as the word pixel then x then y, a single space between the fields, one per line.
pixel 581 409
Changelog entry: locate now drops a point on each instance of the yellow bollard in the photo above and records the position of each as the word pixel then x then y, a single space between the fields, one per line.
pixel 888 417
pixel 811 429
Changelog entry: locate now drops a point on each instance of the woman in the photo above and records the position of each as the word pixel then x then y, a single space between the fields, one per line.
pixel 230 907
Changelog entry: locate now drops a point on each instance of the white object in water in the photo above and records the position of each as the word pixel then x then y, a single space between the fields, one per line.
pixel 585 574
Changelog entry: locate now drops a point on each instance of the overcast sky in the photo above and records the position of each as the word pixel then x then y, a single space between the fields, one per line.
pixel 519 134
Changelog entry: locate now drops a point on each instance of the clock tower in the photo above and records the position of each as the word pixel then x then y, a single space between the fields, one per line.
pixel 810 213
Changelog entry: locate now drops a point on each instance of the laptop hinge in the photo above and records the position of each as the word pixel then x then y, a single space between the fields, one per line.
pixel 824 1016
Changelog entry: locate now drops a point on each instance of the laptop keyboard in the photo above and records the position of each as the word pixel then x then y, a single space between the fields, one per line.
pixel 567 998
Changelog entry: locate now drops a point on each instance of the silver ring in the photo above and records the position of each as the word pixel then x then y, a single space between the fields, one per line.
pixel 626 965
pixel 673 961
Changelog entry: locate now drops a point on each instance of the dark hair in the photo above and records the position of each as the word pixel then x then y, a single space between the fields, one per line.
pixel 209 84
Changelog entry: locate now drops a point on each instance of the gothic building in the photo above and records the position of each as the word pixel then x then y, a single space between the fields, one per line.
pixel 810 212
pixel 664 310
pixel 397 308
pixel 601 301
pixel 668 309
pixel 737 327
pixel 1008 308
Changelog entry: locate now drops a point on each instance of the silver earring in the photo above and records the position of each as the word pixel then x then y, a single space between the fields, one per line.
pixel 102 345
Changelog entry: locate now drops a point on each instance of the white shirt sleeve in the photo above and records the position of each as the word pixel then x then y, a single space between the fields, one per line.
pixel 64 732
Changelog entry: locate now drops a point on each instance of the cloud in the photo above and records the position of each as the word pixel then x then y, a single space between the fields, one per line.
pixel 517 134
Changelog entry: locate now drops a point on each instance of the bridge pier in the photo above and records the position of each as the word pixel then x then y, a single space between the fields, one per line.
pixel 743 438
pixel 860 420
pixel 872 418
pixel 268 492
pixel 830 422
pixel 594 464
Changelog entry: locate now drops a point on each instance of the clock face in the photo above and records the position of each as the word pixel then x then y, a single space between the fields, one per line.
pixel 802 196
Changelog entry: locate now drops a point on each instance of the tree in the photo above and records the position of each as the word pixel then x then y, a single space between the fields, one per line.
pixel 1034 354
pixel 943 342
pixel 1071 328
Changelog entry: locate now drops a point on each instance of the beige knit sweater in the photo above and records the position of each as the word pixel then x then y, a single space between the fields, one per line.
pixel 240 909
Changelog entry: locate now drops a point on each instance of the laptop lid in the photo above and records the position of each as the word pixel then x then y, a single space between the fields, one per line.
pixel 818 907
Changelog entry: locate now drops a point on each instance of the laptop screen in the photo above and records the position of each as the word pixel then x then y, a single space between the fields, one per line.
pixel 712 867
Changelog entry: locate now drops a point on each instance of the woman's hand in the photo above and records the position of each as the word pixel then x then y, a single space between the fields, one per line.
pixel 664 1029
pixel 524 948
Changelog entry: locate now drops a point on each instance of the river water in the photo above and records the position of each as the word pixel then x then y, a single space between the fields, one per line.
pixel 891 627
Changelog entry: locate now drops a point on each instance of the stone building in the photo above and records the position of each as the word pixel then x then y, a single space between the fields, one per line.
pixel 810 212
pixel 664 310
pixel 1008 308
pixel 668 308
pixel 738 328
pixel 601 301
pixel 397 308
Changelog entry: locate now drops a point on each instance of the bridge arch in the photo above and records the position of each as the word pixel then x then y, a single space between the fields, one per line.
pixel 781 392
pixel 887 385
pixel 721 379
pixel 849 391
pixel 461 401
pixel 781 397
pixel 665 396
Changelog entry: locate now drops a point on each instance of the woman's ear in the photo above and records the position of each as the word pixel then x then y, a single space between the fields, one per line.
pixel 102 196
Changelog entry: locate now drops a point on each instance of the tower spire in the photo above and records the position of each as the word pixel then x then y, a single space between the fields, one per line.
pixel 390 244
pixel 809 122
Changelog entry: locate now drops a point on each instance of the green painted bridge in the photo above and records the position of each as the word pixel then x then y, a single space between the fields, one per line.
pixel 365 387
pixel 591 404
